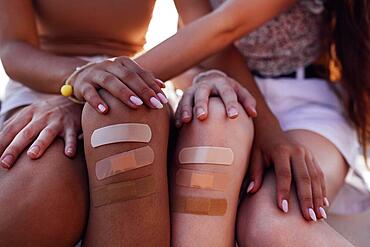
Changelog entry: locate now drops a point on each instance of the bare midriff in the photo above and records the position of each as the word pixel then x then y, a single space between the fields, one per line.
pixel 93 27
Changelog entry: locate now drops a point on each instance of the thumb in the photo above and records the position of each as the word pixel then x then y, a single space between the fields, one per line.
pixel 255 173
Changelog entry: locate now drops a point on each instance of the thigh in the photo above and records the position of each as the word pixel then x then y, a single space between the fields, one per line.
pixel 45 201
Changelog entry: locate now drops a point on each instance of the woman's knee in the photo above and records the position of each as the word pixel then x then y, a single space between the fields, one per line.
pixel 44 200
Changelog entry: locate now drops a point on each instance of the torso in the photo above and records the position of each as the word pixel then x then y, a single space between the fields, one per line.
pixel 93 27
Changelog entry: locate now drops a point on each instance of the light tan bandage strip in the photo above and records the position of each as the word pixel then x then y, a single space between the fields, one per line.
pixel 129 132
pixel 201 180
pixel 124 191
pixel 200 206
pixel 123 162
pixel 206 155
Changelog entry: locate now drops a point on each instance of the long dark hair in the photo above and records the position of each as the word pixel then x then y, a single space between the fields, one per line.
pixel 349 28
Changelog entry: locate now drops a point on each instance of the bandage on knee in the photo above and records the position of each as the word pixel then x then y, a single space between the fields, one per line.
pixel 201 179
pixel 124 191
pixel 206 155
pixel 123 162
pixel 128 132
pixel 200 206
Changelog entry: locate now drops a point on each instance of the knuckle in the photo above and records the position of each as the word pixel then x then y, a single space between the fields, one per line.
pixel 145 90
pixel 129 75
pixel 227 91
pixel 201 102
pixel 306 199
pixel 28 133
pixel 284 191
pixel 284 174
pixel 299 150
pixel 49 132
pixel 305 180
pixel 107 78
pixel 282 149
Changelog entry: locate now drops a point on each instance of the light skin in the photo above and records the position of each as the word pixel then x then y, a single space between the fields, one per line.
pixel 58 68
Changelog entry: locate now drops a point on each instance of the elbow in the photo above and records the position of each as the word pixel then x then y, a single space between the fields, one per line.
pixel 8 56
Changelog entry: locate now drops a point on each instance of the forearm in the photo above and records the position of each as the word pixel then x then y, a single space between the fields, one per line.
pixel 37 69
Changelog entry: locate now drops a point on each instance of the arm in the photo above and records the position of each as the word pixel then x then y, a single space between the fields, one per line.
pixel 271 145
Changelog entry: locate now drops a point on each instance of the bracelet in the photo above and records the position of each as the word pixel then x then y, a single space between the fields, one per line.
pixel 202 75
pixel 67 89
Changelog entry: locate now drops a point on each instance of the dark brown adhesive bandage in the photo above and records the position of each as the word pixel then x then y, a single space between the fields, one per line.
pixel 206 155
pixel 200 206
pixel 201 179
pixel 123 191
pixel 128 132
pixel 123 162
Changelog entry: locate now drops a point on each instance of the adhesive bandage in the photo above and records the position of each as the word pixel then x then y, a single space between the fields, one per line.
pixel 200 206
pixel 207 155
pixel 123 162
pixel 123 191
pixel 201 179
pixel 128 132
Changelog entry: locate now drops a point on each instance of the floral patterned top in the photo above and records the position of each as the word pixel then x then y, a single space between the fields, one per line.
pixel 285 43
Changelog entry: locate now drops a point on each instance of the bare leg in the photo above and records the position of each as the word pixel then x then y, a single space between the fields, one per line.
pixel 216 130
pixel 261 223
pixel 44 202
pixel 134 222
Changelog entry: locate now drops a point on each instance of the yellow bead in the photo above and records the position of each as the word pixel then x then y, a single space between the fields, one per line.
pixel 66 90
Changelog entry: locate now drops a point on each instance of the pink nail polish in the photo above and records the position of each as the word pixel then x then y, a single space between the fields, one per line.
pixel 285 206
pixel 136 100
pixel 250 187
pixel 161 82
pixel 233 112
pixel 69 151
pixel 200 112
pixel 323 213
pixel 156 103
pixel 312 214
pixel 34 150
pixel 102 108
pixel 326 202
pixel 163 98
pixel 7 161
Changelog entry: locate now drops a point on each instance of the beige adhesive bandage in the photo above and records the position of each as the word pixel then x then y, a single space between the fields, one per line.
pixel 129 132
pixel 200 206
pixel 123 162
pixel 207 155
pixel 123 191
pixel 201 180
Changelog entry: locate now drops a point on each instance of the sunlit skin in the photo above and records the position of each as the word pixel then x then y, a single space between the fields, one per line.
pixel 117 28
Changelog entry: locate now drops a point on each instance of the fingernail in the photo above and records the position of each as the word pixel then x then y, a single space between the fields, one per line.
pixel 102 108
pixel 312 214
pixel 254 111
pixel 156 103
pixel 7 161
pixel 250 187
pixel 233 112
pixel 69 151
pixel 34 150
pixel 161 82
pixel 200 112
pixel 136 100
pixel 323 213
pixel 326 202
pixel 284 205
pixel 162 98
pixel 185 115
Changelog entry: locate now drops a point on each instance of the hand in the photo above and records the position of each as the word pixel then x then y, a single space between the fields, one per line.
pixel 40 124
pixel 195 98
pixel 124 79
pixel 291 161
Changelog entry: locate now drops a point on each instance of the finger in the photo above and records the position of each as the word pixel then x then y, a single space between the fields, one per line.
pixel 70 140
pixel 44 140
pixel 116 88
pixel 256 172
pixel 201 99
pixel 323 183
pixel 19 143
pixel 186 107
pixel 318 199
pixel 147 90
pixel 92 97
pixel 283 178
pixel 12 127
pixel 246 99
pixel 229 97
pixel 303 183
pixel 154 83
